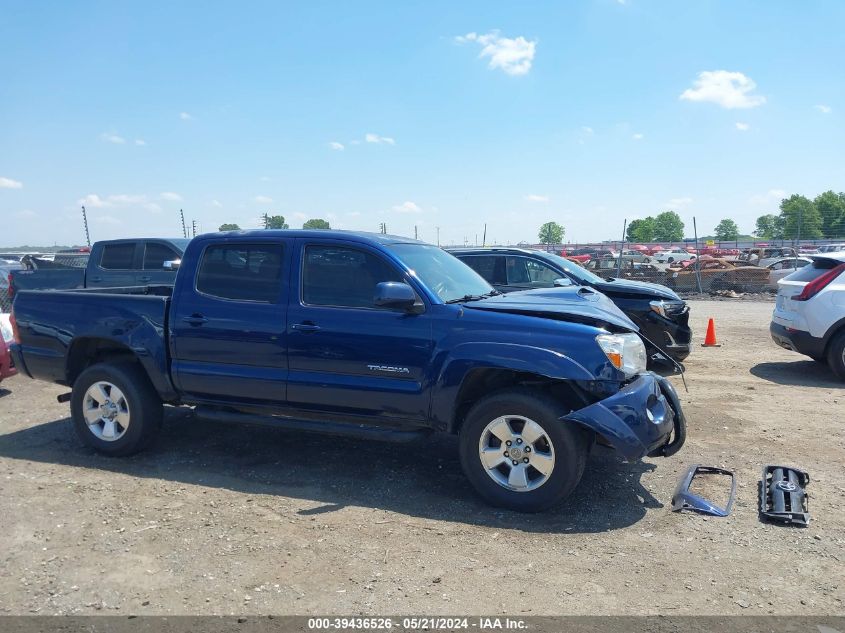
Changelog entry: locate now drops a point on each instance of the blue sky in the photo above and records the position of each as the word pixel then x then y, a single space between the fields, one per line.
pixel 414 113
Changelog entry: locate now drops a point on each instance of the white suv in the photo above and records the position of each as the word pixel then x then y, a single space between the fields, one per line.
pixel 809 316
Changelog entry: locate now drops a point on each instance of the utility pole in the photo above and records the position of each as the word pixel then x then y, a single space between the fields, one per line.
pixel 194 225
pixel 415 232
pixel 266 219
pixel 438 235
pixel 85 222
pixel 184 230
pixel 484 239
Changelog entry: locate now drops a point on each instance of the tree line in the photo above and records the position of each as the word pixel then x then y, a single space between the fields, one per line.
pixel 278 222
pixel 801 217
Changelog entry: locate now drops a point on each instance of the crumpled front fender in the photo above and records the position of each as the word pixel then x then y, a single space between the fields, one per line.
pixel 638 420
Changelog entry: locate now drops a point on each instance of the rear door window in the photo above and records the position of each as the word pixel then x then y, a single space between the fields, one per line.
pixel 491 267
pixel 242 272
pixel 117 256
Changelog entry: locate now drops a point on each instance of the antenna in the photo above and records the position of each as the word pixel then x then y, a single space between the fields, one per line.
pixel 85 222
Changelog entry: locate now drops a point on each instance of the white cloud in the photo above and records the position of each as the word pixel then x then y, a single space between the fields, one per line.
pixel 742 127
pixel 217 203
pixel 638 136
pixel 824 109
pixel 140 141
pixel 8 183
pixel 263 200
pixel 95 201
pixel 407 207
pixel 727 89
pixel 336 146
pixel 512 55
pixel 185 116
pixel 772 195
pixel 375 138
pixel 679 203
pixel 171 196
pixel 112 138
pixel 586 129
pixel 533 197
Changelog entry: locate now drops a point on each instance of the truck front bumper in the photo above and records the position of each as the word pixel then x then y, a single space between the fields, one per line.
pixel 643 418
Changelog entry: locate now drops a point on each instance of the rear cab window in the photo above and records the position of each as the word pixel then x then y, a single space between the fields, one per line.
pixel 241 272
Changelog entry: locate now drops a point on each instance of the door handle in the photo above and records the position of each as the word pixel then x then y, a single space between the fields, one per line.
pixel 195 319
pixel 306 327
pixel 144 278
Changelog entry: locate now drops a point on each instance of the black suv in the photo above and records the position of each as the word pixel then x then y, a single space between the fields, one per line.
pixel 662 316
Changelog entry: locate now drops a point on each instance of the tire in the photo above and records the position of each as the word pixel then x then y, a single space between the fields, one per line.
pixel 121 418
pixel 836 355
pixel 558 448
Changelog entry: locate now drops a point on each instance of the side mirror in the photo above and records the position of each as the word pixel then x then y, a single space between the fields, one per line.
pixel 172 264
pixel 394 295
pixel 562 282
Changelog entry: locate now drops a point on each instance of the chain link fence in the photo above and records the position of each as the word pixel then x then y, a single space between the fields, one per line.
pixel 705 276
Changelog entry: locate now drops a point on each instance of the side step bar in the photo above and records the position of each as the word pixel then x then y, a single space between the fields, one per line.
pixel 360 431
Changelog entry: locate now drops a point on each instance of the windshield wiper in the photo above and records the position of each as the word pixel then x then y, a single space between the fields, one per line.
pixel 493 293
pixel 467 298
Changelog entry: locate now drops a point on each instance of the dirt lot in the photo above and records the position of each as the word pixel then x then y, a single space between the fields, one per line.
pixel 224 519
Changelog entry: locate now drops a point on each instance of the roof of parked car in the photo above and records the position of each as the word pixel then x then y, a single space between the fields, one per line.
pixel 358 236
pixel 465 250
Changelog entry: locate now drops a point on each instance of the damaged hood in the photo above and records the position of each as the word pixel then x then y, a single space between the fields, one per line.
pixel 639 289
pixel 576 304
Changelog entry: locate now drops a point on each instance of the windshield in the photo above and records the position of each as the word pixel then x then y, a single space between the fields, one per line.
pixel 574 270
pixel 447 276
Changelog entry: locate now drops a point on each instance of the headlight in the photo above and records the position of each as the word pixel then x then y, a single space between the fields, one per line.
pixel 625 351
pixel 668 309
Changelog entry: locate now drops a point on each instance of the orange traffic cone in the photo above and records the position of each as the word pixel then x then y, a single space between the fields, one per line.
pixel 710 337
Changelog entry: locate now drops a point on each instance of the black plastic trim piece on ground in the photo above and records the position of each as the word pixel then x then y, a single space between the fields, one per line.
pixel 782 495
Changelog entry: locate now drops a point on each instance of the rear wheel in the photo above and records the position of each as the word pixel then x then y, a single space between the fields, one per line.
pixel 115 409
pixel 836 355
pixel 518 455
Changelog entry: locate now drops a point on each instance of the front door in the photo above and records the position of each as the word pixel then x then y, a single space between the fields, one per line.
pixel 228 330
pixel 347 356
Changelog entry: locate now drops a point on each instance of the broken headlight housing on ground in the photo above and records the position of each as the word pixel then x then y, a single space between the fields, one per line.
pixel 625 351
pixel 668 309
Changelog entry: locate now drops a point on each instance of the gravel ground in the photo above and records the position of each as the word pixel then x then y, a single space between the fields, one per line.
pixel 220 519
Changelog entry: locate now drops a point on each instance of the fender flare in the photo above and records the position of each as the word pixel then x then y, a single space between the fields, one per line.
pixel 461 360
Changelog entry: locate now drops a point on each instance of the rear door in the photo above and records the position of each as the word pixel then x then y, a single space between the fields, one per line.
pixel 228 326
pixel 115 265
pixel 347 356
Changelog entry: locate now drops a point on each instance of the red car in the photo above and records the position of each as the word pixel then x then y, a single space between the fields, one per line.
pixel 7 367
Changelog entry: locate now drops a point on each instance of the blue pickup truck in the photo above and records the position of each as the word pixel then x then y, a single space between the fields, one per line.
pixel 112 263
pixel 366 335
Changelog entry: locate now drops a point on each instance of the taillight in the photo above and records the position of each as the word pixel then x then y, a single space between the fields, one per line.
pixel 819 283
pixel 15 334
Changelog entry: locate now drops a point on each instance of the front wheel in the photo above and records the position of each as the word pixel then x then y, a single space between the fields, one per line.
pixel 518 455
pixel 115 409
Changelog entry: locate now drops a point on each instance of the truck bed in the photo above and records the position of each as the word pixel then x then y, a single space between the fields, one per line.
pixel 134 318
